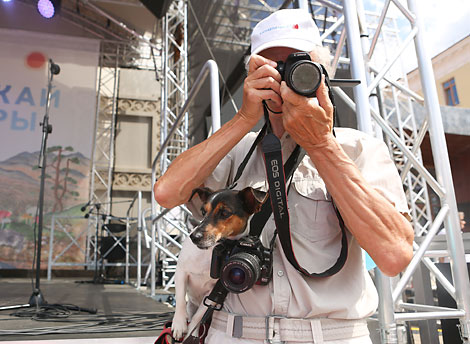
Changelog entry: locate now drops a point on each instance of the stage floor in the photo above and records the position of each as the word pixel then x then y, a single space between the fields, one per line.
pixel 124 314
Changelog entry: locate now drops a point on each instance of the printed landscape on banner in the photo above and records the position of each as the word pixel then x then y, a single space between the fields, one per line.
pixel 23 91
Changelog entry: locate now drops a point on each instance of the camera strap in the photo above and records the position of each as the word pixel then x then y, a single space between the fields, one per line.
pixel 272 152
pixel 278 196
pixel 277 200
pixel 290 166
pixel 214 302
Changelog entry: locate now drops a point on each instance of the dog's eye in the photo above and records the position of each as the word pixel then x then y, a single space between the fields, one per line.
pixel 203 212
pixel 224 213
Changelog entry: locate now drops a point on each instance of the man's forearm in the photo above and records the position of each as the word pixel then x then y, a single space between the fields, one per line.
pixel 375 223
pixel 192 167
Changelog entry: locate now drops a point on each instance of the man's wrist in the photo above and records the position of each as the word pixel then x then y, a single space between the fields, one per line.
pixel 247 121
pixel 319 148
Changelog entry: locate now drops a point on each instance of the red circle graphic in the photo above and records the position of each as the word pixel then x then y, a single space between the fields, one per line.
pixel 35 59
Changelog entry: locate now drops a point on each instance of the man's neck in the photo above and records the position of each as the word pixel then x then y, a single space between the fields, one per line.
pixel 277 125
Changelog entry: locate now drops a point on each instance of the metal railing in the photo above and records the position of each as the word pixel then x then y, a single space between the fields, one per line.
pixel 162 230
pixel 59 259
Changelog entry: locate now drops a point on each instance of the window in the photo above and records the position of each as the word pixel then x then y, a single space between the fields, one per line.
pixel 450 92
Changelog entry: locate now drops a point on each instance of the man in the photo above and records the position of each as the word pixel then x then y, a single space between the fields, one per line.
pixel 352 168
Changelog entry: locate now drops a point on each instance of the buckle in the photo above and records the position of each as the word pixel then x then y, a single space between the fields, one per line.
pixel 270 331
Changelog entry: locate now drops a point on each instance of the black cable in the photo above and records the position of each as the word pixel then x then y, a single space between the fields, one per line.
pixel 51 311
pixel 101 323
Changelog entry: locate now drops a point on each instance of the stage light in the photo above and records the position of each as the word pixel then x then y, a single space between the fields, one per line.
pixel 6 0
pixel 48 8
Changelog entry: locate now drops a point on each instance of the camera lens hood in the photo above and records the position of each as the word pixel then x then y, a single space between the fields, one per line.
pixel 304 77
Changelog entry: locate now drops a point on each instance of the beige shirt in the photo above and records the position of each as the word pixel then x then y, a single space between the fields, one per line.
pixel 316 235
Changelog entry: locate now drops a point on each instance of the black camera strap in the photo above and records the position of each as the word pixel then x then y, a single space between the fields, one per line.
pixel 242 166
pixel 276 176
pixel 214 302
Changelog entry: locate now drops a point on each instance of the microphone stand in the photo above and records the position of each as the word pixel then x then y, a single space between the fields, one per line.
pixel 98 276
pixel 37 299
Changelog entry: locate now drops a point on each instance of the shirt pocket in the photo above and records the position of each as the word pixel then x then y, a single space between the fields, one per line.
pixel 311 211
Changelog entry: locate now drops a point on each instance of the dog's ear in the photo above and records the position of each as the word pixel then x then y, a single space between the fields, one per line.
pixel 203 194
pixel 253 199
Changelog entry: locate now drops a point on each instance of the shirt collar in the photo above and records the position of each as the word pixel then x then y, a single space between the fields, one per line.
pixel 288 144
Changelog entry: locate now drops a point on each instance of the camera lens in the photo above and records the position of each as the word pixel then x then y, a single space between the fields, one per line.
pixel 237 276
pixel 304 78
pixel 241 272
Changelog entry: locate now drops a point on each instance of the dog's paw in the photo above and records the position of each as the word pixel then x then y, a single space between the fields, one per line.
pixel 179 327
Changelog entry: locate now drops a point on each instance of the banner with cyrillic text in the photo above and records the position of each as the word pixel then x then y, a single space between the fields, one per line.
pixel 24 64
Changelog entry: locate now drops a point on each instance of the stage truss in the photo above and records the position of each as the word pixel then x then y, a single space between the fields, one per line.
pixel 383 103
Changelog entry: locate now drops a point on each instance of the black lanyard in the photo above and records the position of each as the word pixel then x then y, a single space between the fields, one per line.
pixel 277 175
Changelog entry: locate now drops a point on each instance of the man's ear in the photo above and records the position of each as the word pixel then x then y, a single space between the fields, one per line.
pixel 203 194
pixel 252 199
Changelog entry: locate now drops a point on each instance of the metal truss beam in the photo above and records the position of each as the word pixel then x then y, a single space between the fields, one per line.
pixel 389 114
pixel 383 106
pixel 170 228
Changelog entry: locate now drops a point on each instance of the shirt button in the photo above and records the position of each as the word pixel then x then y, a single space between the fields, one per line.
pixel 280 273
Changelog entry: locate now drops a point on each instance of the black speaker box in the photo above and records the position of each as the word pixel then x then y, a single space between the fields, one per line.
pixel 157 7
pixel 450 327
pixel 117 253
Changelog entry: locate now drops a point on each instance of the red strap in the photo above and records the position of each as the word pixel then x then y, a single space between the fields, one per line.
pixel 165 336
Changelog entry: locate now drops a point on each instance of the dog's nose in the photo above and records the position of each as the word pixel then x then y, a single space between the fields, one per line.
pixel 196 236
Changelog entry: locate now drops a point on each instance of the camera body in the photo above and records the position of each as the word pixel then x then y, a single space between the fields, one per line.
pixel 301 74
pixel 239 264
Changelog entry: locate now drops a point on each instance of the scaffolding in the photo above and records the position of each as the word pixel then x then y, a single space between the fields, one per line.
pixel 114 56
pixel 388 114
pixel 405 139
pixel 383 106
pixel 171 226
pixel 103 141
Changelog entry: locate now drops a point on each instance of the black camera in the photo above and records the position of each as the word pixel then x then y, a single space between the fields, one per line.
pixel 301 74
pixel 239 264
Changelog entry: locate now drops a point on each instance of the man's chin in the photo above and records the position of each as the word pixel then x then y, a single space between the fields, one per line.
pixel 273 108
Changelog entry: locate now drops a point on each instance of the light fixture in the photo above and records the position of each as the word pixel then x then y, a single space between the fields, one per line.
pixel 48 8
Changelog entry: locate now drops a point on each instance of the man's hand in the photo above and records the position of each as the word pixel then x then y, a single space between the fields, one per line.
pixel 310 124
pixel 262 83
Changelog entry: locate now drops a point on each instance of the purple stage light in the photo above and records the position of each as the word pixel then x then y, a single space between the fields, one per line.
pixel 46 8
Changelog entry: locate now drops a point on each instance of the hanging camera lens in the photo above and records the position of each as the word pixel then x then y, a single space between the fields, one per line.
pixel 241 272
pixel 241 263
pixel 301 74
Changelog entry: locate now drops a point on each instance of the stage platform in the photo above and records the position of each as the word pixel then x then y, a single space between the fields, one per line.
pixel 124 314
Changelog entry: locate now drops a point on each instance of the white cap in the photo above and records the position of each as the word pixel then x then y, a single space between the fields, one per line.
pixel 291 28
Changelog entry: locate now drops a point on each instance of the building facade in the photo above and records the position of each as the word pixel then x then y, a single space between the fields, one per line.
pixel 452 72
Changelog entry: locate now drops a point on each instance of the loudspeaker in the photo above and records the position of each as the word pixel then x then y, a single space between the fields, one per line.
pixel 157 7
pixel 450 327
pixel 117 253
pixel 115 227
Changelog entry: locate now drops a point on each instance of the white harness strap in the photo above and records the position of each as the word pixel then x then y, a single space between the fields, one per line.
pixel 229 329
pixel 317 331
pixel 278 328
